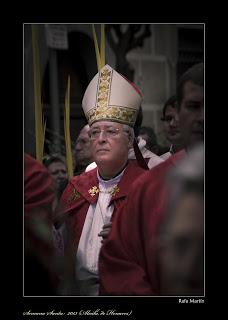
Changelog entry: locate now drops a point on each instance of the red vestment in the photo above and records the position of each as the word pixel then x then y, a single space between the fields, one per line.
pixel 82 191
pixel 38 185
pixel 126 263
pixel 40 276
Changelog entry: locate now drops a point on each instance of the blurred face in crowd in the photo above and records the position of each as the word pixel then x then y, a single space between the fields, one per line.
pixel 182 252
pixel 58 171
pixel 191 114
pixel 83 154
pixel 110 145
pixel 171 124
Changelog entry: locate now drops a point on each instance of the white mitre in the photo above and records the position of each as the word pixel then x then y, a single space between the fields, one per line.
pixel 110 96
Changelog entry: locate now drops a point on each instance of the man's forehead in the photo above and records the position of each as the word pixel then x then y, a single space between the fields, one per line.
pixel 83 135
pixel 171 109
pixel 85 129
pixel 56 164
pixel 192 89
pixel 106 124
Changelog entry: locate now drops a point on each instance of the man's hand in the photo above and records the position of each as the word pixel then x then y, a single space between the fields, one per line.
pixel 105 231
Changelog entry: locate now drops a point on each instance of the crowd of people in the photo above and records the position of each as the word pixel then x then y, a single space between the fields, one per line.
pixel 131 219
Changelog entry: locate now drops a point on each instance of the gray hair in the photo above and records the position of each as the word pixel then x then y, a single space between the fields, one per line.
pixel 130 131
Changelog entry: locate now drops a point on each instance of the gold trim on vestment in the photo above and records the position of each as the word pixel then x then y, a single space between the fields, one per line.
pixel 74 195
pixel 93 191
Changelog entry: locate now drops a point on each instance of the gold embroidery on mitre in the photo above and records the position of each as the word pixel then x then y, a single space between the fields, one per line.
pixel 101 103
pixel 115 113
pixel 99 112
pixel 105 74
pixel 115 191
pixel 93 191
pixel 104 87
pixel 102 97
pixel 74 195
pixel 103 110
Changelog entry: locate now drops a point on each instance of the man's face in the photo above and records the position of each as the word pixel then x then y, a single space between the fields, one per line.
pixel 111 145
pixel 58 171
pixel 83 154
pixel 171 125
pixel 182 254
pixel 191 114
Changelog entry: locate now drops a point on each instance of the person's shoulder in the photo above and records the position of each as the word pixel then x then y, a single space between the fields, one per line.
pixel 77 189
pixel 131 173
pixel 91 166
pixel 84 175
pixel 134 168
pixel 33 166
pixel 38 184
pixel 84 180
pixel 161 169
pixel 156 174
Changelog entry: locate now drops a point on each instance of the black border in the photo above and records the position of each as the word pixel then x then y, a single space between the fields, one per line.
pixel 138 305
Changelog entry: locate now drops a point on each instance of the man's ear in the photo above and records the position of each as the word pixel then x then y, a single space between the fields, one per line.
pixel 130 141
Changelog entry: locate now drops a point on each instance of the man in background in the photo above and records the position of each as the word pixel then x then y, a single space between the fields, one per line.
pixel 171 127
pixel 83 155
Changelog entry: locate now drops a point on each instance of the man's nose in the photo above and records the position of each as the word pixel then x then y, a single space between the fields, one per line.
pixel 62 174
pixel 102 136
pixel 174 122
pixel 78 146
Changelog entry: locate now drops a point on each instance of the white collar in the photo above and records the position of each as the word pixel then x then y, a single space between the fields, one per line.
pixel 107 184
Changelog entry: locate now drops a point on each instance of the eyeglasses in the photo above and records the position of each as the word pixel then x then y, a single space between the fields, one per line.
pixel 109 133
pixel 168 119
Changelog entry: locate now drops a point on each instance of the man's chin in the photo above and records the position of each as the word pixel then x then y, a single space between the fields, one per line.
pixel 102 159
pixel 194 140
pixel 175 136
pixel 197 137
